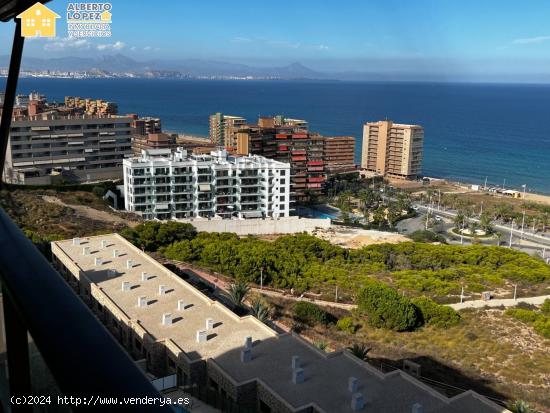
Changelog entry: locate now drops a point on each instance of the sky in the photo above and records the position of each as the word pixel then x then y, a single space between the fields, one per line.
pixel 468 37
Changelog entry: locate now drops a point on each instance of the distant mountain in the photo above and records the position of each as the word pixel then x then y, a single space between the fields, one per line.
pixel 187 67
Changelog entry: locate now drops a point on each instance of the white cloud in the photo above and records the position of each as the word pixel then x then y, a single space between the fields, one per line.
pixel 133 48
pixel 242 40
pixel 67 43
pixel 147 48
pixel 118 45
pixel 531 40
pixel 321 47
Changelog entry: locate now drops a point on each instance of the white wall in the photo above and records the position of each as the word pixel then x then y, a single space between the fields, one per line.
pixel 289 225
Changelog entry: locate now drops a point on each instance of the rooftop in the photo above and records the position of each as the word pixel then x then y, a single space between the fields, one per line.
pixel 229 330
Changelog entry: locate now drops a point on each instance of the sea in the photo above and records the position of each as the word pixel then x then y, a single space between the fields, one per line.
pixel 473 132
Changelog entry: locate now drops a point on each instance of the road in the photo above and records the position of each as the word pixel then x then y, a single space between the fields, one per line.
pixel 506 302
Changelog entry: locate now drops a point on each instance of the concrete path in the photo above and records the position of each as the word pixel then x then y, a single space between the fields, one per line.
pixel 506 302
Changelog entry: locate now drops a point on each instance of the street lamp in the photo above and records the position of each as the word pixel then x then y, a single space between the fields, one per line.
pixel 511 233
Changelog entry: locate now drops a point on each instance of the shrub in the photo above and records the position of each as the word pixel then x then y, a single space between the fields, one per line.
pixel 546 307
pixel 386 308
pixel 152 235
pixel 310 313
pixel 347 325
pixel 98 191
pixel 526 316
pixel 542 326
pixel 435 314
pixel 427 236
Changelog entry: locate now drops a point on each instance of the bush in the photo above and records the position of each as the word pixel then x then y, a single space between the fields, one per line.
pixel 542 326
pixel 347 325
pixel 152 235
pixel 435 314
pixel 386 308
pixel 310 313
pixel 526 316
pixel 98 191
pixel 546 307
pixel 427 236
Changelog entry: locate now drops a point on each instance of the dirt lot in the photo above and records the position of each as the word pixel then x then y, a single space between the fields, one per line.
pixel 488 352
pixel 348 237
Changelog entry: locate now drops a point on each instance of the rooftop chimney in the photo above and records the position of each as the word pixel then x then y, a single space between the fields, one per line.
pixel 296 362
pixel 115 253
pixel 144 276
pixel 167 319
pixel 103 243
pixel 125 285
pixel 417 408
pixel 209 324
pixel 201 336
pixel 129 264
pixel 86 251
pixel 248 342
pixel 162 289
pixel 76 241
pixel 246 355
pixel 357 402
pixel 142 301
pixel 353 384
pixel 297 376
pixel 181 305
pixel 98 261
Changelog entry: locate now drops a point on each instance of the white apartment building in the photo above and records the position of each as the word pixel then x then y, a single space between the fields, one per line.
pixel 164 185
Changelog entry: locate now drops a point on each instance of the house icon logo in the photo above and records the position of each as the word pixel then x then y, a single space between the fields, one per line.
pixel 38 21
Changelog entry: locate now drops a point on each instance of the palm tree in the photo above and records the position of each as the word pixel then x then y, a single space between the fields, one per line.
pixel 237 292
pixel 521 406
pixel 459 220
pixel 260 310
pixel 485 222
pixel 360 351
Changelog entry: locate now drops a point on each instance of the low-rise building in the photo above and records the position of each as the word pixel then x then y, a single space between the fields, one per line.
pixel 162 184
pixel 236 363
pixel 153 141
pixel 146 125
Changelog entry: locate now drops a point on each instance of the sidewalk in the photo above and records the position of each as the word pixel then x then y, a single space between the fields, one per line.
pixel 506 302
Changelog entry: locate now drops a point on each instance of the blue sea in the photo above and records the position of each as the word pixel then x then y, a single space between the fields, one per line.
pixel 472 131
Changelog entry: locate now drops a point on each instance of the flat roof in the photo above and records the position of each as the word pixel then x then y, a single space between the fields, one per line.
pixel 229 330
pixel 326 375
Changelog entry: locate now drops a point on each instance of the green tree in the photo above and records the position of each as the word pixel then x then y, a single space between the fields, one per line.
pixel 485 223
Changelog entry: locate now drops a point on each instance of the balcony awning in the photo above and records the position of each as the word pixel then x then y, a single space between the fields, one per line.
pixel 204 187
pixel 252 214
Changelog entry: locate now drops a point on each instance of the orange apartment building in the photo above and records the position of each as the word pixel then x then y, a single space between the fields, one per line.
pixel 339 154
pixel 392 149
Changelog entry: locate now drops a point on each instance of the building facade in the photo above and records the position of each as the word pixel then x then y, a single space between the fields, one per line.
pixel 164 185
pixel 223 128
pixel 77 147
pixel 339 154
pixel 392 149
pixel 153 141
pixel 146 125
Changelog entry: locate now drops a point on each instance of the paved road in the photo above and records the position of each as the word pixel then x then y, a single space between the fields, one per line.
pixel 506 302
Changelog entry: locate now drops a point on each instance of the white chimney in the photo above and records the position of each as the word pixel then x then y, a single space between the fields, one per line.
pixel 162 289
pixel 201 336
pixel 248 342
pixel 98 261
pixel 144 276
pixel 417 408
pixel 76 241
pixel 129 264
pixel 181 305
pixel 246 355
pixel 167 319
pixel 209 324
pixel 103 243
pixel 115 253
pixel 142 301
pixel 296 362
pixel 353 384
pixel 297 376
pixel 357 402
pixel 86 251
pixel 125 285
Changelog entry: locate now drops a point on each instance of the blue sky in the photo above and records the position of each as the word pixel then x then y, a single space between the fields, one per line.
pixel 459 36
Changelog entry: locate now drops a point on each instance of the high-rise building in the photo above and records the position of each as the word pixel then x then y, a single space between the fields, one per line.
pixel 169 185
pixel 392 149
pixel 223 127
pixel 92 107
pixel 146 125
pixel 78 148
pixel 339 154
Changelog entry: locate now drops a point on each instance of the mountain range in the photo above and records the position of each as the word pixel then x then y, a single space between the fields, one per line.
pixel 119 63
